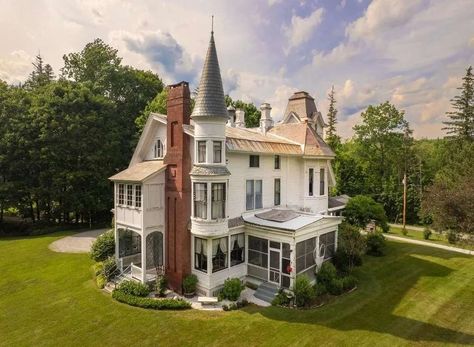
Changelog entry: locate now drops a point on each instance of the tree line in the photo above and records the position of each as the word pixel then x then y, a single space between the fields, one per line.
pixel 440 188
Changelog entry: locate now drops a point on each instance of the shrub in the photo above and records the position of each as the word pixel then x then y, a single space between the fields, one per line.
pixel 351 247
pixel 349 282
pixel 161 284
pixel 101 281
pixel 98 268
pixel 232 289
pixel 160 304
pixel 103 247
pixel 375 244
pixel 320 289
pixel 304 291
pixel 189 283
pixel 134 288
pixel 427 233
pixel 326 274
pixel 281 299
pixel 452 237
pixel 109 268
pixel 336 287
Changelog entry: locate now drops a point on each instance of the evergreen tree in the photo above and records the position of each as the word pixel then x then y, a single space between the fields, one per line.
pixel 461 123
pixel 332 139
pixel 41 75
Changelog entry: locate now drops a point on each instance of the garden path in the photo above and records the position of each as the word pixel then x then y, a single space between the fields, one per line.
pixel 77 243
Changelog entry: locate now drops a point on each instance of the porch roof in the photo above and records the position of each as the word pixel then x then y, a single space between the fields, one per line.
pixel 139 172
pixel 269 219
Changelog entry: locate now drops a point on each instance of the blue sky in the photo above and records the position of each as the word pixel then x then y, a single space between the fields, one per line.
pixel 409 52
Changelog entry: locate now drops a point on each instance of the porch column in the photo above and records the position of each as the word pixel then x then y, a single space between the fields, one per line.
pixel 292 262
pixel 143 240
pixel 117 255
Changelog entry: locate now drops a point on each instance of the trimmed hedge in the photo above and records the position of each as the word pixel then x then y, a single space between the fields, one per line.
pixel 160 304
pixel 134 288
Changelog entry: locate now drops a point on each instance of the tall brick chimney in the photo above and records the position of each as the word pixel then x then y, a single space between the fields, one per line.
pixel 178 186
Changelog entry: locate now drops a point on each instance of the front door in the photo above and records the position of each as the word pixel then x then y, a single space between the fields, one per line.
pixel 274 273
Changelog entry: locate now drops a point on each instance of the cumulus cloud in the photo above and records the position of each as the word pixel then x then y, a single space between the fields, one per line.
pixel 301 28
pixel 15 67
pixel 162 52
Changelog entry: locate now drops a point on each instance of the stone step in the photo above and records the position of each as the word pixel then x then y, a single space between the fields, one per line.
pixel 266 292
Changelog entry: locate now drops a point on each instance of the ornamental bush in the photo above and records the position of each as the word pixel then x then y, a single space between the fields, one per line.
pixel 134 288
pixel 103 247
pixel 101 281
pixel 281 299
pixel 336 287
pixel 155 304
pixel 427 233
pixel 349 282
pixel 109 269
pixel 327 274
pixel 375 244
pixel 350 248
pixel 304 291
pixel 189 283
pixel 161 284
pixel 232 289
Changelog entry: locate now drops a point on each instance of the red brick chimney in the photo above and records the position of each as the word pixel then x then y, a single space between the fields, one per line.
pixel 178 186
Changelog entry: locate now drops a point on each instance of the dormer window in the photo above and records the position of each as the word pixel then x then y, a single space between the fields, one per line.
pixel 217 146
pixel 201 151
pixel 158 149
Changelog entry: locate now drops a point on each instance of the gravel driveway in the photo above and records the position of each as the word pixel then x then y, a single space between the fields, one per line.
pixel 78 243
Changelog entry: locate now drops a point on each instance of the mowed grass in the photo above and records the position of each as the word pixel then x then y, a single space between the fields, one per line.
pixel 415 295
pixel 435 237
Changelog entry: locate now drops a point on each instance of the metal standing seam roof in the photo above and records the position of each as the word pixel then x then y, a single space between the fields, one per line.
pixel 139 172
pixel 210 100
pixel 208 170
pixel 293 224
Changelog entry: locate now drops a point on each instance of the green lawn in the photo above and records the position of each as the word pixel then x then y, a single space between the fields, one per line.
pixel 435 237
pixel 413 296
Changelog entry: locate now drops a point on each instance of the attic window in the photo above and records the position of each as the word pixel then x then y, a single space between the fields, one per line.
pixel 158 149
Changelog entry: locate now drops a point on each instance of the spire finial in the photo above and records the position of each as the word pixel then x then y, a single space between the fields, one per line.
pixel 212 24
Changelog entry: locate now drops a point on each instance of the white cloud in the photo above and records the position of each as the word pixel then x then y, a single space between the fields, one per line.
pixel 15 67
pixel 301 28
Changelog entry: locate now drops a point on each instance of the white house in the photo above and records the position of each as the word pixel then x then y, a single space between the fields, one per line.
pixel 205 195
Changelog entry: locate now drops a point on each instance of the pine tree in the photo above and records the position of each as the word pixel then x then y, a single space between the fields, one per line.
pixel 461 123
pixel 332 138
pixel 41 75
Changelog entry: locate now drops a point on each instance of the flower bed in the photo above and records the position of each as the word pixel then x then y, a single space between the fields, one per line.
pixel 155 304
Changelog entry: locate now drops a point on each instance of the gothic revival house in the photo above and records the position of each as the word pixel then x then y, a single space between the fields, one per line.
pixel 205 195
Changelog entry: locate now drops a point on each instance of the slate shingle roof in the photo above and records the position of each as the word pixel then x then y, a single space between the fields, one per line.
pixel 210 100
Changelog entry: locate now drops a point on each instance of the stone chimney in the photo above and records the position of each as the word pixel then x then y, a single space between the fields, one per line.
pixel 240 118
pixel 231 120
pixel 266 121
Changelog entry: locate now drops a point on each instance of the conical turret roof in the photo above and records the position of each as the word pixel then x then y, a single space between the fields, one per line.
pixel 210 100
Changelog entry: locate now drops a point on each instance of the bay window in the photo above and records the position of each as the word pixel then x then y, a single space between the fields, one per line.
pixel 237 249
pixel 200 254
pixel 200 200
pixel 218 200
pixel 201 149
pixel 129 195
pixel 138 196
pixel 217 149
pixel 121 194
pixel 219 254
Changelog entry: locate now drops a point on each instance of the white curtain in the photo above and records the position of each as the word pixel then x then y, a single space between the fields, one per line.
pixel 215 245
pixel 218 200
pixel 223 244
pixel 200 198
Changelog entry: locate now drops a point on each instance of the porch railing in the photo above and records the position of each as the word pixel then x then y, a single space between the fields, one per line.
pixel 136 272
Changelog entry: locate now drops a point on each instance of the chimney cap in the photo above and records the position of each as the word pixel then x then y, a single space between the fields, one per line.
pixel 265 106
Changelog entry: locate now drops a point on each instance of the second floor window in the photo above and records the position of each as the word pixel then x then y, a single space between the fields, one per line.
pixel 253 194
pixel 217 145
pixel 218 201
pixel 277 192
pixel 121 194
pixel 200 200
pixel 158 150
pixel 310 182
pixel 129 195
pixel 254 161
pixel 322 188
pixel 201 151
pixel 138 196
pixel 277 162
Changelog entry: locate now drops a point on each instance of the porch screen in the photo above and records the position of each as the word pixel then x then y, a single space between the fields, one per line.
pixel 329 240
pixel 258 251
pixel 304 254
pixel 129 242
